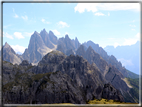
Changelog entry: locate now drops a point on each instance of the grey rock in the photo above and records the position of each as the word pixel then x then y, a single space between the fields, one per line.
pixel 10 55
pixel 46 39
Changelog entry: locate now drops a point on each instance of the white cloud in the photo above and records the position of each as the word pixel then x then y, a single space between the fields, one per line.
pixel 133 29
pixel 128 41
pixel 7 35
pixel 137 36
pixel 63 24
pixel 16 16
pixel 116 44
pixel 131 41
pixel 24 17
pixel 56 32
pixel 28 34
pixel 81 7
pixel 132 25
pixel 44 21
pixel 18 35
pixel 18 48
pixel 94 7
pixel 108 14
pixel 126 62
pixel 99 14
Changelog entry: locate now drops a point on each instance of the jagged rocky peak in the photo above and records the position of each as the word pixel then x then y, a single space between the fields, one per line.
pixel 51 33
pixel 70 52
pixel 81 51
pixel 36 33
pixel 6 45
pixel 53 38
pixel 8 48
pixel 66 36
pixel 53 57
pixel 43 32
pixel 109 92
pixel 25 63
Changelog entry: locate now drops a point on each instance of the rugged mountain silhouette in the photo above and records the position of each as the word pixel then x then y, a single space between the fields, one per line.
pixel 45 37
pixel 10 55
pixel 109 59
pixel 56 79
pixel 88 71
pixel 76 43
pixel 128 55
pixel 37 47
pixel 110 72
pixel 65 44
pixel 53 38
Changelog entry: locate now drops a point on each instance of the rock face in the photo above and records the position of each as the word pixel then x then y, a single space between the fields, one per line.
pixel 53 38
pixel 109 59
pixel 25 63
pixel 110 72
pixel 70 52
pixel 65 44
pixel 57 79
pixel 109 92
pixel 81 51
pixel 37 48
pixel 45 37
pixel 10 55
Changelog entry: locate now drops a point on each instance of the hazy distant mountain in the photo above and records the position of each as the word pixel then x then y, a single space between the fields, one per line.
pixel 36 49
pixel 76 43
pixel 110 59
pixel 128 55
pixel 10 55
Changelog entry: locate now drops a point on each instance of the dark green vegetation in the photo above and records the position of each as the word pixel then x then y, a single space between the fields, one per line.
pixel 132 75
pixel 134 91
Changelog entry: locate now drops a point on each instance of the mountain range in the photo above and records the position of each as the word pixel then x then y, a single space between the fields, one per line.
pixel 63 71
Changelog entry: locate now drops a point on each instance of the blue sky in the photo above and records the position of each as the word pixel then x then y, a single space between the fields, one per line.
pixel 103 23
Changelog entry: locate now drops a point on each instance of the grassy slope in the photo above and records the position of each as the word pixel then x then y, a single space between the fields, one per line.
pixel 134 91
pixel 132 75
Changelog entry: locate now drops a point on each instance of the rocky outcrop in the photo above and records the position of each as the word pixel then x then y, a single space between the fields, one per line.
pixel 81 51
pixel 110 72
pixel 57 78
pixel 65 44
pixel 49 88
pixel 70 52
pixel 25 63
pixel 45 37
pixel 10 55
pixel 53 38
pixel 109 59
pixel 109 92
pixel 36 49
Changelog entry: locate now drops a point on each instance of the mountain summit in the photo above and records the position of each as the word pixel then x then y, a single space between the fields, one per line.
pixel 10 55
